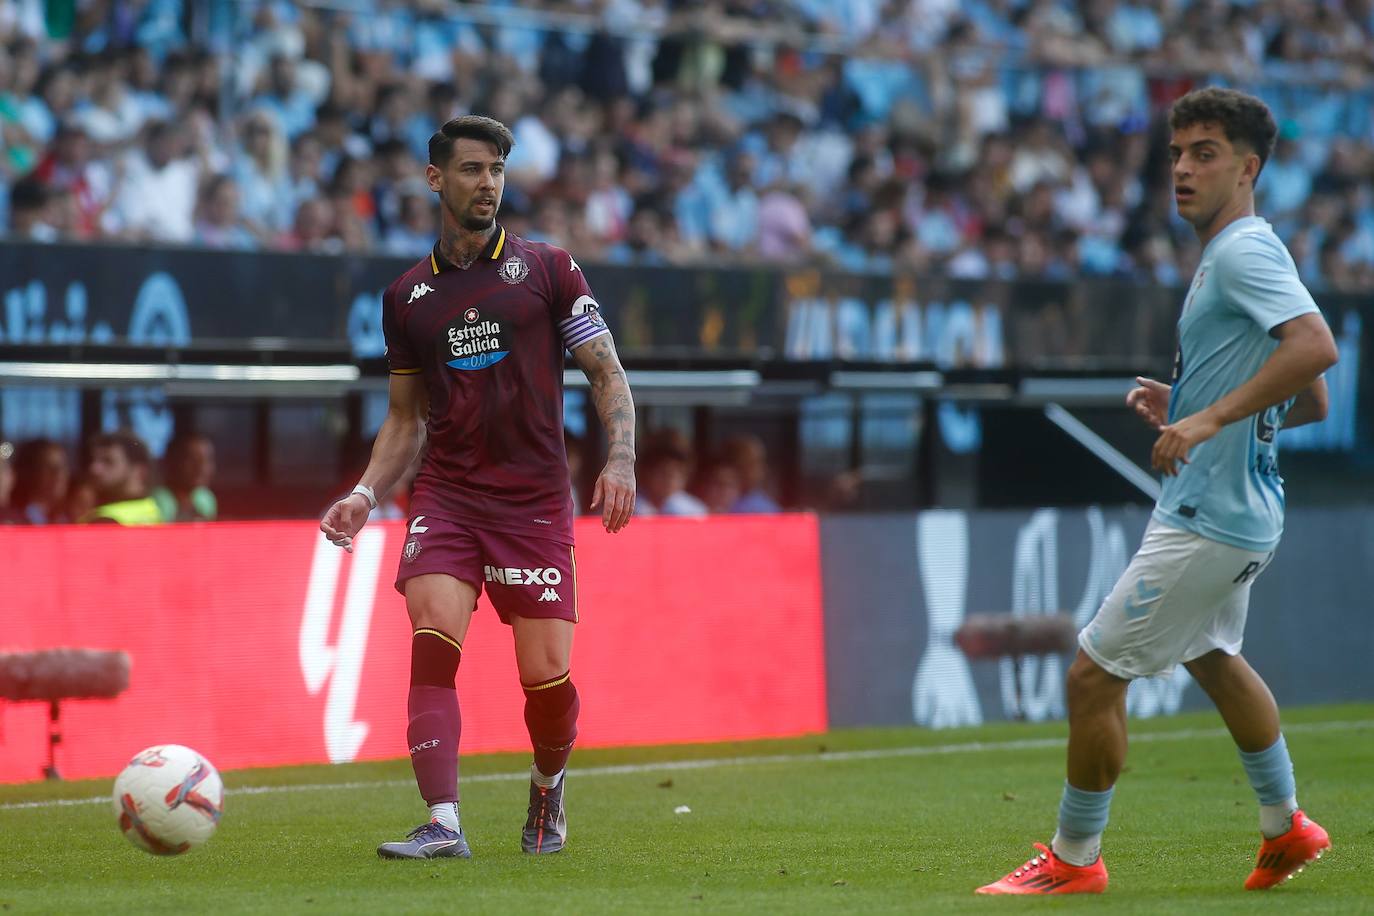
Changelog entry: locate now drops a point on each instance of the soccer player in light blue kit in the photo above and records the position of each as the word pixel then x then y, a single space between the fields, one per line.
pixel 1252 350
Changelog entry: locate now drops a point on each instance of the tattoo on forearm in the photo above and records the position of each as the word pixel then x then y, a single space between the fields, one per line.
pixel 614 403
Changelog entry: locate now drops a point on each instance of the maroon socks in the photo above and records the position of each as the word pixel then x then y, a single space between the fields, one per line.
pixel 551 709
pixel 434 721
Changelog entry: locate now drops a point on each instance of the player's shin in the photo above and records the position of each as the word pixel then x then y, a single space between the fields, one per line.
pixel 435 724
pixel 551 709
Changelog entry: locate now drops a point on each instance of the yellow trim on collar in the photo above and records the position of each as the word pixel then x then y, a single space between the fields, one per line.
pixel 500 243
pixel 433 264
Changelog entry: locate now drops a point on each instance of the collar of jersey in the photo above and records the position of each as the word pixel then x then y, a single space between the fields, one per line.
pixel 438 263
pixel 1231 230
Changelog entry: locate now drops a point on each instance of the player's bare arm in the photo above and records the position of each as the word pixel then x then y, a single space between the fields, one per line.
pixel 615 487
pixel 398 442
pixel 1306 350
pixel 1309 406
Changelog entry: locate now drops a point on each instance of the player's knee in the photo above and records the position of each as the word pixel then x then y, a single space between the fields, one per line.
pixel 543 666
pixel 1214 670
pixel 1088 682
pixel 440 606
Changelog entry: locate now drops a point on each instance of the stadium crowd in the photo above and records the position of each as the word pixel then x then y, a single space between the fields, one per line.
pixel 117 481
pixel 991 138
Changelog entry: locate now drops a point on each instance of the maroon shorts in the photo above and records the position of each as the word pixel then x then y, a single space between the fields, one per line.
pixel 523 576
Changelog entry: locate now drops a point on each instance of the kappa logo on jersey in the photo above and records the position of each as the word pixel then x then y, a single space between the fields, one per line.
pixel 474 343
pixel 507 575
pixel 514 270
pixel 549 595
pixel 572 264
pixel 420 289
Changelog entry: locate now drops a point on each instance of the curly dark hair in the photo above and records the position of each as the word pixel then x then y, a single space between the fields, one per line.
pixel 1246 121
pixel 469 127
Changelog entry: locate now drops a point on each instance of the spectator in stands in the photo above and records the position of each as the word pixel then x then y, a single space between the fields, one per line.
pixel 305 174
pixel 41 475
pixel 112 115
pixel 663 474
pixel 188 468
pixel 784 226
pixel 119 468
pixel 312 230
pixel 413 233
pixel 29 212
pixel 717 486
pixel 8 514
pixel 80 496
pixel 158 191
pixel 750 460
pixel 260 172
pixel 1020 109
pixel 219 222
pixel 70 166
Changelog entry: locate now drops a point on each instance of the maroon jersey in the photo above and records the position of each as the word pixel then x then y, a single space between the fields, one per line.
pixel 489 342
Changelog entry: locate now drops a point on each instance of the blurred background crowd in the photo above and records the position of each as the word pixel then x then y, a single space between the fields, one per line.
pixel 990 138
pixel 116 480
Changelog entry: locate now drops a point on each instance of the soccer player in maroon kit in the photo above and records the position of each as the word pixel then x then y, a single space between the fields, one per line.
pixel 475 336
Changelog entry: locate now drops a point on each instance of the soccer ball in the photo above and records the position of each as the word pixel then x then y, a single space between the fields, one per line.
pixel 168 799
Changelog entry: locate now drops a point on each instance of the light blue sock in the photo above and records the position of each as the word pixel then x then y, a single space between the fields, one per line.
pixel 1082 818
pixel 1270 772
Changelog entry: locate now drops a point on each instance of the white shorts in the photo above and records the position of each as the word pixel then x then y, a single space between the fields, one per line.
pixel 1182 596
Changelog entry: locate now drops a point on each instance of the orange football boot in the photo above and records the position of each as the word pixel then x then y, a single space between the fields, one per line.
pixel 1047 874
pixel 1282 857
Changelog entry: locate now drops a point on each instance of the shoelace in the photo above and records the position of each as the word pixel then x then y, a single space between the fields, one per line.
pixel 541 817
pixel 1034 862
pixel 423 829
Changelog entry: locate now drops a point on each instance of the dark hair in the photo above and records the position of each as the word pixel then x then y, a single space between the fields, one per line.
pixel 181 443
pixel 469 127
pixel 134 449
pixel 1244 119
pixel 27 456
pixel 28 194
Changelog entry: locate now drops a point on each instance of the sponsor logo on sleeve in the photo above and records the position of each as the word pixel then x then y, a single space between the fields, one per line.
pixel 586 305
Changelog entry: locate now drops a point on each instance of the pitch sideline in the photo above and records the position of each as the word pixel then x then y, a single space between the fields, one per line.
pixel 710 763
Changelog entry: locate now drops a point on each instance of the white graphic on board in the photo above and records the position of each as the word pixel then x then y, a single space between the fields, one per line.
pixel 341 664
pixel 942 694
pixel 1035 591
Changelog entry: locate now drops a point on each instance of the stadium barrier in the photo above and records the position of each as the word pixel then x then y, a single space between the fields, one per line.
pixel 899 587
pixel 260 644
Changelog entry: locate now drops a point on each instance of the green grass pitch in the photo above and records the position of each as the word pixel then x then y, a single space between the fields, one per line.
pixel 864 821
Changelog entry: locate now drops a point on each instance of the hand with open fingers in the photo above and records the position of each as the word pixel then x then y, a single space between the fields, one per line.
pixel 1177 439
pixel 1150 401
pixel 615 494
pixel 345 519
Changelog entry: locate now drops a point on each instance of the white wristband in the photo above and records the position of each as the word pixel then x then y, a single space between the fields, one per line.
pixel 366 491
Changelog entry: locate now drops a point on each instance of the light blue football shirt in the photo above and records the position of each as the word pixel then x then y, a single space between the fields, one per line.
pixel 1245 285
